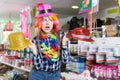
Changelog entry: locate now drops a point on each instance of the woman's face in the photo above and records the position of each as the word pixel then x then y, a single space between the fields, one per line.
pixel 47 24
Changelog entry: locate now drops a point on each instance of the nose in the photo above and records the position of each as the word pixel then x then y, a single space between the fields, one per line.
pixel 47 21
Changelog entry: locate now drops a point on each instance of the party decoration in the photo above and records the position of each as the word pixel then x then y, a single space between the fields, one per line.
pixel 44 10
pixel 9 26
pixel 49 46
pixel 85 6
pixel 25 21
pixel 17 41
pixel 82 34
pixel 95 6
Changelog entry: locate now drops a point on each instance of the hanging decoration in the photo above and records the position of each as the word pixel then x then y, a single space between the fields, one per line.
pixel 89 15
pixel 5 35
pixel 16 26
pixel 95 6
pixel 9 24
pixel 85 6
pixel 25 21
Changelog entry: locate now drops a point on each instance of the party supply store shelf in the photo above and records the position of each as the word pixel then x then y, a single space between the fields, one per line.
pixel 20 68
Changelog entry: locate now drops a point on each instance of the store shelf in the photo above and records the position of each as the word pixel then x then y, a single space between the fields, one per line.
pixel 20 68
pixel 108 40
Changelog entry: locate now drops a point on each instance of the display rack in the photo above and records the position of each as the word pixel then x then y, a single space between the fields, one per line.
pixel 108 40
pixel 19 68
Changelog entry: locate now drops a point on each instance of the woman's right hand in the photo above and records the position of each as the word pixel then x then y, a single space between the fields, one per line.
pixel 33 47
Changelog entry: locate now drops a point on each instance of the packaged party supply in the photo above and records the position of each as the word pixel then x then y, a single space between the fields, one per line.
pixel 116 51
pixel 90 56
pixel 102 49
pixel 100 58
pixel 109 72
pixel 118 68
pixel 93 49
pixel 115 72
pixel 101 71
pixel 104 72
pixel 110 58
pixel 84 48
pixel 78 65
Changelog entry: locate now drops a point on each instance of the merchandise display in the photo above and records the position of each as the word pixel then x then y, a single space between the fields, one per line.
pixel 25 21
pixel 80 34
pixel 17 41
pixel 85 6
pixel 9 26
pixel 81 46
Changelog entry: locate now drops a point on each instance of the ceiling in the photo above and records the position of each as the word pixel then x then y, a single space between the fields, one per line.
pixel 11 8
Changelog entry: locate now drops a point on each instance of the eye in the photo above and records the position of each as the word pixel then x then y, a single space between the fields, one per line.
pixel 44 19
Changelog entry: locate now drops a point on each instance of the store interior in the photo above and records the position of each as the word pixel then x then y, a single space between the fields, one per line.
pixel 98 60
pixel 63 8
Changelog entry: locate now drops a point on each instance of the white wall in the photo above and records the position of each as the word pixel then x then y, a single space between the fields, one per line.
pixel 103 13
pixel 64 20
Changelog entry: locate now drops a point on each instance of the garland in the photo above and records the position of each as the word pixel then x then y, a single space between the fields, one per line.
pixel 49 47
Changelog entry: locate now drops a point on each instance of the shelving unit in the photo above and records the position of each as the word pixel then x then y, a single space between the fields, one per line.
pixel 108 40
pixel 19 68
pixel 111 41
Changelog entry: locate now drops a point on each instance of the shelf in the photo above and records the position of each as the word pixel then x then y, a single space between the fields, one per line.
pixel 23 69
pixel 108 40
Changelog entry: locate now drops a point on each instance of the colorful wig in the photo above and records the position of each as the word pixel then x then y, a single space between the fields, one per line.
pixel 38 22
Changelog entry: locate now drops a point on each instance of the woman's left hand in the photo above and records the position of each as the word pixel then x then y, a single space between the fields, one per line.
pixel 64 40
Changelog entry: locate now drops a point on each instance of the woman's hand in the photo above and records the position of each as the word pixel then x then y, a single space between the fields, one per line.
pixel 33 48
pixel 64 40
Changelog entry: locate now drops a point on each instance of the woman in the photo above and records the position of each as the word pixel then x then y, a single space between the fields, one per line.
pixel 48 56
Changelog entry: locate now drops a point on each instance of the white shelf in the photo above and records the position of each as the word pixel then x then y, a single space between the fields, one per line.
pixel 108 40
pixel 23 69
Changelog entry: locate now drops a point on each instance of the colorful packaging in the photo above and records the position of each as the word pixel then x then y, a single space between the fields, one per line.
pixel 105 72
pixel 119 68
pixel 101 73
pixel 85 6
pixel 96 71
pixel 109 72
pixel 115 72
